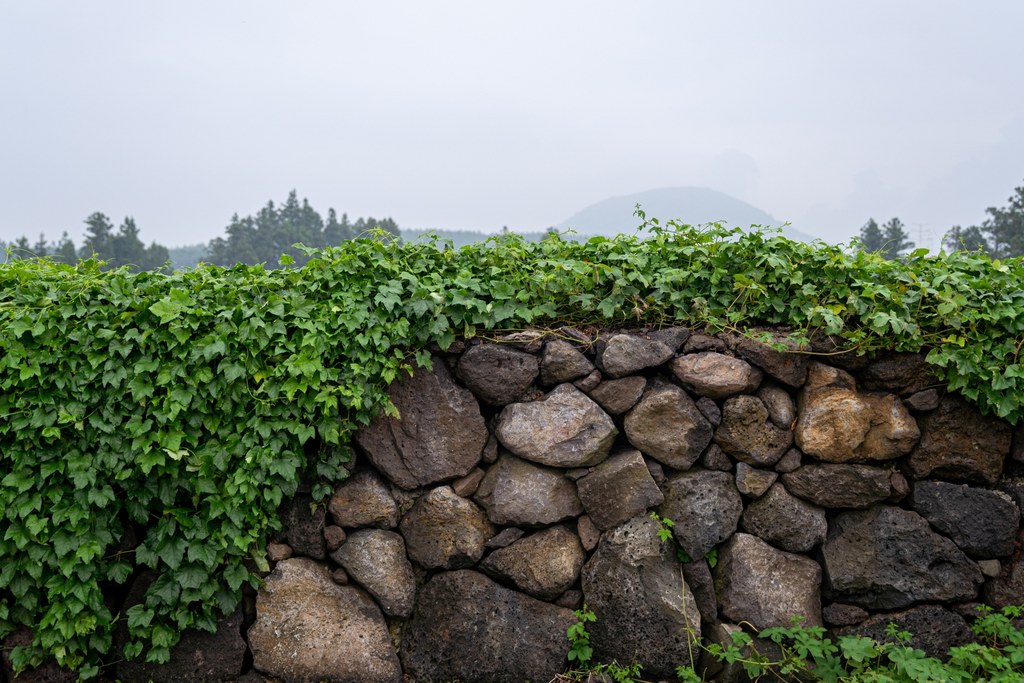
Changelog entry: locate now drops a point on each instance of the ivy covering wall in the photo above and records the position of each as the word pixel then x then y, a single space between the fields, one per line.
pixel 157 421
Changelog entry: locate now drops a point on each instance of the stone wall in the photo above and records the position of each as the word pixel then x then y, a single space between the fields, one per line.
pixel 518 486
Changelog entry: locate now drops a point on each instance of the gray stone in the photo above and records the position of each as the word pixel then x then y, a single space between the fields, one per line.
pixel 467 628
pixel 519 493
pixel 747 434
pixel 467 485
pixel 645 612
pixel 753 482
pixel 836 423
pixel 705 508
pixel 672 337
pixel 562 362
pixel 626 354
pixel 789 462
pixel 564 429
pixel 617 396
pixel 376 560
pixel 990 568
pixel 363 500
pixel 308 628
pixel 788 366
pixel 588 532
pixel 278 551
pixel 497 374
pixel 780 406
pixel 618 489
pixel 900 373
pixel 982 523
pixel 440 435
pixel 302 525
pixel 839 486
pixel 1007 588
pixel 840 614
pixel 589 383
pixel 933 629
pixel 766 587
pixel 504 538
pixel 1014 487
pixel 656 470
pixel 572 599
pixel 785 521
pixel 490 450
pixel 710 410
pixel 667 426
pixel 716 375
pixel 697 575
pixel 959 444
pixel 714 458
pixel 922 401
pixel 544 564
pixel 887 558
pixel 699 342
pixel 529 341
pixel 445 531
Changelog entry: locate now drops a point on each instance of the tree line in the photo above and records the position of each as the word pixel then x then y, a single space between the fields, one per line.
pixel 1001 235
pixel 259 238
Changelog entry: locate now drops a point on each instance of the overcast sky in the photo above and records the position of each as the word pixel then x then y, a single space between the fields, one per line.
pixel 474 115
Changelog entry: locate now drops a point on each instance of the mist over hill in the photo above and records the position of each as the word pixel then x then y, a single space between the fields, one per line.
pixel 693 205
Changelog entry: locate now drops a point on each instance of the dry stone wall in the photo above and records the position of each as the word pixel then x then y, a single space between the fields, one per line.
pixel 518 485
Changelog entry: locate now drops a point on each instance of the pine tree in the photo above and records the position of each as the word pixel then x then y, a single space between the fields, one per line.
pixel 895 240
pixel 99 235
pixel 871 236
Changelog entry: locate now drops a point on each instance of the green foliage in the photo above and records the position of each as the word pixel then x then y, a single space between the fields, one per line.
pixel 580 651
pixel 186 406
pixel 1001 235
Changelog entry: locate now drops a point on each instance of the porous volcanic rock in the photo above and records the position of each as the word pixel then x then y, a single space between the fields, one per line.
pixel 959 444
pixel 1007 588
pixel 544 564
pixel 617 396
pixel 748 435
pixel 839 486
pixel 562 362
pixel 716 375
pixel 753 482
pixel 667 426
pixel 836 423
pixel 363 500
pixel 440 435
pixel 520 493
pixel 626 354
pixel 443 530
pixel 788 366
pixel 705 508
pixel 563 429
pixel 618 489
pixel 466 627
pixel 308 628
pixel 302 525
pixel 933 629
pixel 841 614
pixel 982 523
pixel 887 558
pixel 780 405
pixel 785 521
pixel 764 586
pixel 376 560
pixel 496 373
pixel 644 609
pixel 900 373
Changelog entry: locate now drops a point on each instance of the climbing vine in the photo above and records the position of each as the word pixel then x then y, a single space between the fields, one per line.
pixel 157 421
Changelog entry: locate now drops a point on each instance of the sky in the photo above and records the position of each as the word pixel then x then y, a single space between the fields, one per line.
pixel 473 115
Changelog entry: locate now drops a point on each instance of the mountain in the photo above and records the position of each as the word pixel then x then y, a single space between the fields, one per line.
pixel 693 205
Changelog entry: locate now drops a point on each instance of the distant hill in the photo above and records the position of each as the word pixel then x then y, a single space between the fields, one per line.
pixel 691 205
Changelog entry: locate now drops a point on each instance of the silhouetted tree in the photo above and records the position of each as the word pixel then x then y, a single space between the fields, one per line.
pixel 871 236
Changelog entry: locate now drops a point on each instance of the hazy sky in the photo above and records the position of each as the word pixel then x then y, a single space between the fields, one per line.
pixel 473 115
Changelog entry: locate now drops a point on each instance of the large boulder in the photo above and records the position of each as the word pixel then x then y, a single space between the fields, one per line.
pixel 785 521
pixel 747 434
pixel 626 354
pixel 645 611
pixel 836 423
pixel 563 429
pixel 618 489
pixel 887 558
pixel 982 523
pixel 308 628
pixel 519 493
pixel 466 627
pixel 439 436
pixel 839 486
pixel 705 509
pixel 444 530
pixel 959 444
pixel 933 629
pixel 497 374
pixel 544 564
pixel 376 560
pixel 667 426
pixel 363 500
pixel 716 375
pixel 766 587
pixel 562 362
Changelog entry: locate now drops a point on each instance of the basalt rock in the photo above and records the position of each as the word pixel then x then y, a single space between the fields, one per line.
pixel 520 493
pixel 562 362
pixel 617 396
pixel 618 489
pixel 363 500
pixel 376 560
pixel 716 375
pixel 933 629
pixel 705 508
pixel 496 373
pixel 788 366
pixel 544 564
pixel 445 531
pixel 748 435
pixel 839 486
pixel 785 521
pixel 625 354
pixel 982 523
pixel 667 426
pixel 959 444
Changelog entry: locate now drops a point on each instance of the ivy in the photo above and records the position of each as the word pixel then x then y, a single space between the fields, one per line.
pixel 181 409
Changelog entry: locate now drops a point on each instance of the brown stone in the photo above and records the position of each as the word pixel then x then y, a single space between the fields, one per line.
pixel 667 426
pixel 716 375
pixel 959 444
